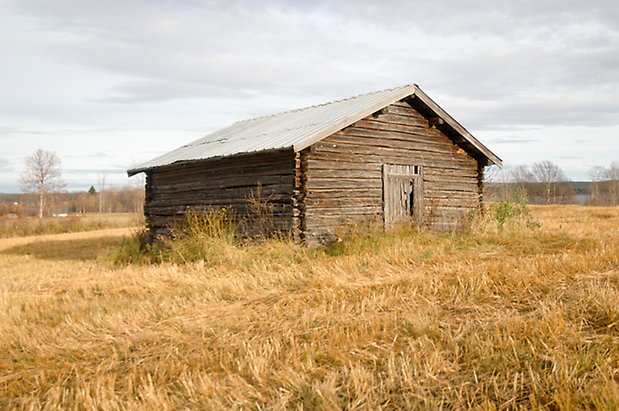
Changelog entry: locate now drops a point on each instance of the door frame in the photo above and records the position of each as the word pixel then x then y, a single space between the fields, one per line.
pixel 409 175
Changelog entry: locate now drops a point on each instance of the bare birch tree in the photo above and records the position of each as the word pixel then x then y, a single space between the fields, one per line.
pixel 42 175
pixel 101 184
pixel 597 178
pixel 549 175
pixel 611 173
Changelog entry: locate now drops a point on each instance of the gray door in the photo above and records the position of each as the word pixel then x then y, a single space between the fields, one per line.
pixel 402 194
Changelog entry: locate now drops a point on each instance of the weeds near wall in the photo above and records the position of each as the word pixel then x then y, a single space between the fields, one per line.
pixel 206 236
pixel 201 236
pixel 259 221
pixel 215 224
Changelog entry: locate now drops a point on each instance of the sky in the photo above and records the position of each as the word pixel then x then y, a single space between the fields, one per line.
pixel 107 85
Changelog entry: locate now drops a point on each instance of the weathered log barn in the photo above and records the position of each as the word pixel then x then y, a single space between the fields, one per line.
pixel 385 156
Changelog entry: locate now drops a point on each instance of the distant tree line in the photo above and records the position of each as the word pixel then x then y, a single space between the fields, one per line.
pixel 545 183
pixel 113 200
pixel 44 192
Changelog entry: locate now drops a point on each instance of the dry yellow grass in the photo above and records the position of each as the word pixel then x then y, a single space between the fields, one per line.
pixel 30 226
pixel 517 319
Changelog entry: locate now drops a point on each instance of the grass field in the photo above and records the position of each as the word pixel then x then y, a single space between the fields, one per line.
pixel 518 318
pixel 29 226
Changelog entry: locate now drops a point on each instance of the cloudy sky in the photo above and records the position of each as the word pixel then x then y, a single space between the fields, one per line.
pixel 110 84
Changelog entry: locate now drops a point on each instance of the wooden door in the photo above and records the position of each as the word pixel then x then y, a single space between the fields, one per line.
pixel 402 194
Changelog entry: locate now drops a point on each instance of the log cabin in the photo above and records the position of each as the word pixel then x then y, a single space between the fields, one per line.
pixel 387 157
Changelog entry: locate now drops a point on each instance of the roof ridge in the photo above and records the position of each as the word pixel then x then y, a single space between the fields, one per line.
pixel 322 104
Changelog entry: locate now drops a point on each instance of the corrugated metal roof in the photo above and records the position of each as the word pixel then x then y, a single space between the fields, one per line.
pixel 296 129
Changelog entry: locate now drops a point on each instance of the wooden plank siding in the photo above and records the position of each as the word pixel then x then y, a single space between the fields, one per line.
pixel 218 183
pixel 341 175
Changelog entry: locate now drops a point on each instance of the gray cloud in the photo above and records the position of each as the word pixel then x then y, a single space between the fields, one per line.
pixel 120 70
pixel 513 140
pixel 5 165
pixel 478 49
pixel 145 91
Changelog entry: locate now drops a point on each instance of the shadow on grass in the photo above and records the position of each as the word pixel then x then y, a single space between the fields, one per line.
pixel 81 250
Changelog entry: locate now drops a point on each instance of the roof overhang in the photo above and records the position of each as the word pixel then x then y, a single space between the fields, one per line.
pixel 410 93
pixel 248 155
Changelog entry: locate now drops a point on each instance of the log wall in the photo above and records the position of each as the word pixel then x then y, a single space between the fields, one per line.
pixel 341 175
pixel 267 177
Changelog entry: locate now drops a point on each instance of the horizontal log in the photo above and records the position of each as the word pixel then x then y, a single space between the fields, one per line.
pixel 404 110
pixel 219 201
pixel 397 156
pixel 438 186
pixel 432 171
pixel 436 162
pixel 399 123
pixel 335 164
pixel 254 191
pixel 396 119
pixel 342 184
pixel 233 208
pixel 204 173
pixel 224 181
pixel 391 139
pixel 163 219
pixel 371 193
pixel 342 172
pixel 448 179
pixel 402 103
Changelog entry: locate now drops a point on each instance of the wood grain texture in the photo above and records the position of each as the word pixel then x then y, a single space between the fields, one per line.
pixel 344 179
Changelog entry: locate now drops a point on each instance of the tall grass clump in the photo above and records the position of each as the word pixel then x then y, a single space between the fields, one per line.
pixel 200 236
pixel 210 236
pixel 259 222
pixel 203 236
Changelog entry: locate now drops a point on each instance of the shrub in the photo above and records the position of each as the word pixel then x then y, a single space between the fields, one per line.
pixel 513 212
